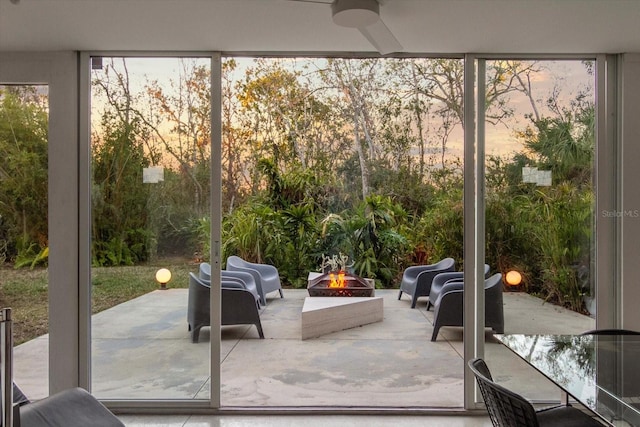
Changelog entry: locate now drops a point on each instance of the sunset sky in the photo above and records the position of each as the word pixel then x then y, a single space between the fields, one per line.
pixel 568 76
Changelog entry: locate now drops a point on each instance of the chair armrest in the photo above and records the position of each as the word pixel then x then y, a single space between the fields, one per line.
pixel 448 299
pixel 442 278
pixel 425 280
pixel 414 270
pixel 205 271
pixel 70 408
pixel 452 286
pixel 230 283
pixel 265 268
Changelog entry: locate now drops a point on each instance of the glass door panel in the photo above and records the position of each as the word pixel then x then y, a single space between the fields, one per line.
pixel 353 157
pixel 150 159
pixel 540 206
pixel 24 243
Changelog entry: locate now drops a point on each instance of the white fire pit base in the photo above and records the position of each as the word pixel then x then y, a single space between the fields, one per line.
pixel 323 315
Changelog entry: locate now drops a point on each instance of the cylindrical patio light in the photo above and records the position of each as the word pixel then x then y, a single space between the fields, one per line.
pixel 163 276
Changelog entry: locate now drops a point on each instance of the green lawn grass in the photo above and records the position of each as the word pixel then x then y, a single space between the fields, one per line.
pixel 26 291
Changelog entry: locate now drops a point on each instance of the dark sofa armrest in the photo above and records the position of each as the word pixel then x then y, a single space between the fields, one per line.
pixel 70 408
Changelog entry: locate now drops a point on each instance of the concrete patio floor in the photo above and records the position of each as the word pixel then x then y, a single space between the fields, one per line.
pixel 142 350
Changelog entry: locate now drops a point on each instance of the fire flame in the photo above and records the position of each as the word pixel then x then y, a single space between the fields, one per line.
pixel 337 283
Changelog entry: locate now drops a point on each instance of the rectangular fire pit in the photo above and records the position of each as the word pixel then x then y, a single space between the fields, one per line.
pixel 339 284
pixel 335 304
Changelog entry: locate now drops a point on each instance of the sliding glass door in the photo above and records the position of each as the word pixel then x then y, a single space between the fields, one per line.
pixel 150 225
pixel 528 160
pixel 537 194
pixel 24 236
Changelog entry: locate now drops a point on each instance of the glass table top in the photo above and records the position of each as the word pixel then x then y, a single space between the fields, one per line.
pixel 600 371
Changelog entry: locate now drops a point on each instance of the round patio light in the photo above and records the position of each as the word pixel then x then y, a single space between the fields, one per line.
pixel 513 278
pixel 163 276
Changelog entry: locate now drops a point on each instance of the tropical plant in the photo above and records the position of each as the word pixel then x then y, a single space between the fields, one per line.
pixel 119 196
pixel 565 238
pixel 564 142
pixel 439 231
pixel 249 232
pixel 23 174
pixel 200 231
pixel 370 236
pixel 546 232
pixel 300 236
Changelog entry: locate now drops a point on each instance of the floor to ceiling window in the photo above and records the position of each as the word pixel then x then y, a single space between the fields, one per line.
pixel 39 166
pixel 322 157
pixel 360 157
pixel 150 205
pixel 539 207
pixel 24 236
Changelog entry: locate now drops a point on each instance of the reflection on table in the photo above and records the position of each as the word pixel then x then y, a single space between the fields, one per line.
pixel 602 372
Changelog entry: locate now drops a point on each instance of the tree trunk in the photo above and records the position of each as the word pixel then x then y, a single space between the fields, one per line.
pixel 419 124
pixel 364 169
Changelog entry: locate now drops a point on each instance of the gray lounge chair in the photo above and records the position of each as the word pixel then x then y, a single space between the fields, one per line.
pixel 448 308
pixel 73 407
pixel 266 276
pixel 204 272
pixel 246 281
pixel 238 306
pixel 69 408
pixel 442 278
pixel 416 280
pixel 243 279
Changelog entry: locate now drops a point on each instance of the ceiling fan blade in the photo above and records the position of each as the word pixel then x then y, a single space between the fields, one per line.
pixel 381 38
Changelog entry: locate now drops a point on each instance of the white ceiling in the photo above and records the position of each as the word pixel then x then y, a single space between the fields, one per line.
pixel 421 26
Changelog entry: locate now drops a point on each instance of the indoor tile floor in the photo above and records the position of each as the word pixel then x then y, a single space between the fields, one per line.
pixel 306 420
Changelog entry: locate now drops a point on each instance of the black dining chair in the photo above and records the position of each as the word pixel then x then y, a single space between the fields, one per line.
pixel 508 409
pixel 610 332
